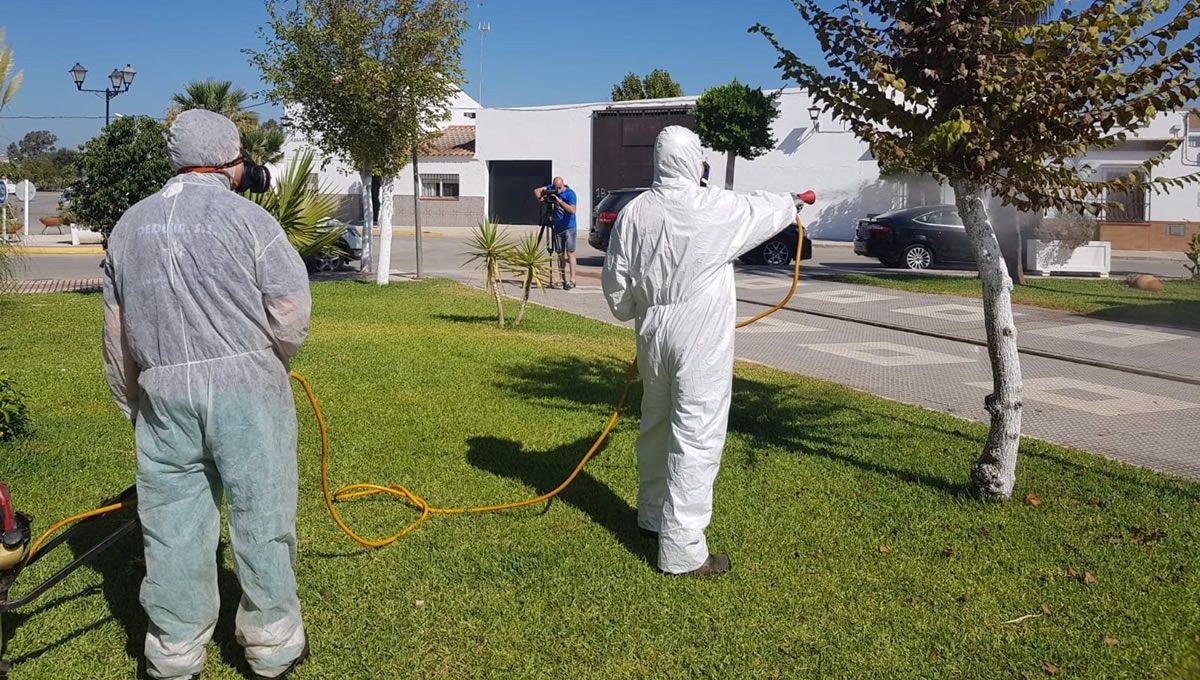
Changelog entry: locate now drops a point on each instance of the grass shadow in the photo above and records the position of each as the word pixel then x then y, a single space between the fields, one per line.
pixel 546 470
pixel 767 416
pixel 467 318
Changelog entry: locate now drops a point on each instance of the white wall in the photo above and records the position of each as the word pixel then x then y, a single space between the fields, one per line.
pixel 1177 204
pixel 472 175
pixel 831 162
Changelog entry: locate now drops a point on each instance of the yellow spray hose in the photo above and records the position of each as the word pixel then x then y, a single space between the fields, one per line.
pixel 355 491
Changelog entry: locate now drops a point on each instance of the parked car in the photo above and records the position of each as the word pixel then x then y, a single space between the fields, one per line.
pixel 351 243
pixel 915 238
pixel 780 249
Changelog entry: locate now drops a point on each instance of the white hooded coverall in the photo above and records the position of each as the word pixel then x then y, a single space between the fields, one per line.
pixel 670 267
pixel 204 302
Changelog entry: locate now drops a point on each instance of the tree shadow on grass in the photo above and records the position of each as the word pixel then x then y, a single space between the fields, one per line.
pixel 766 416
pixel 122 568
pixel 546 470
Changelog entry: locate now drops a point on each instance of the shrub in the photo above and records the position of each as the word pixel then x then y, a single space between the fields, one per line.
pixel 14 418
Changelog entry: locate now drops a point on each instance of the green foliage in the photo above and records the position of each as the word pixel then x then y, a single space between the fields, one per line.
pixel 264 144
pixel 302 208
pixel 370 79
pixel 9 82
pixel 658 84
pixel 14 416
pixel 1193 254
pixel 737 118
pixel 50 171
pixel 528 259
pixel 219 96
pixel 8 258
pixel 1003 94
pixel 119 167
pixel 490 247
pixel 34 143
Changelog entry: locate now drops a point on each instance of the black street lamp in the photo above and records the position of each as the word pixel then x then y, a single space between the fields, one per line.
pixel 119 79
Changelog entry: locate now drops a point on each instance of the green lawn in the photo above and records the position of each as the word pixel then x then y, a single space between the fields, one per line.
pixel 857 551
pixel 1111 299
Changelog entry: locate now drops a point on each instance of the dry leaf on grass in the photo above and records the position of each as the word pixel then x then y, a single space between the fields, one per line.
pixel 1050 668
pixel 1033 499
pixel 1110 640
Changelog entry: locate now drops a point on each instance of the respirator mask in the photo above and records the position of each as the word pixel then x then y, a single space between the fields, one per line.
pixel 256 179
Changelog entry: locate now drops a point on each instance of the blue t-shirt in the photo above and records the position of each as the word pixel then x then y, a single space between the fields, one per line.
pixel 563 220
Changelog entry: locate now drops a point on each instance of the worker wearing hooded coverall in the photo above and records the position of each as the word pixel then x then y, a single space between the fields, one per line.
pixel 669 265
pixel 204 303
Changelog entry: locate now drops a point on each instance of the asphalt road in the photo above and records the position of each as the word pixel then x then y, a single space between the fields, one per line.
pixel 443 252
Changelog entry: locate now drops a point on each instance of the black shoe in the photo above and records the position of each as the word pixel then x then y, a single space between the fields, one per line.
pixel 648 533
pixel 568 285
pixel 715 565
pixel 291 667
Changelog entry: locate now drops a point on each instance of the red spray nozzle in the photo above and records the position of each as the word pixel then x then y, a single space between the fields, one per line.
pixel 6 511
pixel 808 197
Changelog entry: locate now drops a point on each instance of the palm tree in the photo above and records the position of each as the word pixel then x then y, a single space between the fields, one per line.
pixel 304 209
pixel 264 144
pixel 8 86
pixel 529 260
pixel 218 96
pixel 489 245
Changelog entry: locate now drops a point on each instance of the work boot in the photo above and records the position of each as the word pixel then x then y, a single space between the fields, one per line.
pixel 291 667
pixel 715 565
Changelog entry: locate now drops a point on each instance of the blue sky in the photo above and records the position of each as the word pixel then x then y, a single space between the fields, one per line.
pixel 536 52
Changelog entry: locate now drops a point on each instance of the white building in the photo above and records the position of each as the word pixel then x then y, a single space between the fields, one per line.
pixel 487 162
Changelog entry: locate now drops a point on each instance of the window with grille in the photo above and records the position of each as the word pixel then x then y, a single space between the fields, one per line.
pixel 439 186
pixel 1126 205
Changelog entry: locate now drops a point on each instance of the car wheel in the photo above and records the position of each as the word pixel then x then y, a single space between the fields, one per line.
pixel 918 256
pixel 776 253
pixel 324 262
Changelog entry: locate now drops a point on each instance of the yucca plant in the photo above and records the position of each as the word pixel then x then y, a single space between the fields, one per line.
pixel 489 246
pixel 528 259
pixel 304 210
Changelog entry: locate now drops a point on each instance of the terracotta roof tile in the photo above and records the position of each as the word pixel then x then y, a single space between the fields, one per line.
pixel 455 140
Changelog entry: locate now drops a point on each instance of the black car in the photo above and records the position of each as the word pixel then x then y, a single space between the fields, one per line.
pixel 915 238
pixel 780 249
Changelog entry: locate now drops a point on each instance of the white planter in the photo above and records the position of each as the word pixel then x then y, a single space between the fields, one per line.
pixel 82 236
pixel 1049 257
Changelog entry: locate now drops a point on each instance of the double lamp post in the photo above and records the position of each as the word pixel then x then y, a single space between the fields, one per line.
pixel 120 80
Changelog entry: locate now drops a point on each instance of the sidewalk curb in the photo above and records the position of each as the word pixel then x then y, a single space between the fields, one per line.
pixel 58 250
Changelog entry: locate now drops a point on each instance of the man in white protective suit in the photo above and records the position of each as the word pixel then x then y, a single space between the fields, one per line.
pixel 205 301
pixel 670 267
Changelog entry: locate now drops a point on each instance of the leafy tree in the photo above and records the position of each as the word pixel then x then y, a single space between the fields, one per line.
pixel 301 208
pixel 657 84
pixel 219 96
pixel 736 120
pixel 33 143
pixel 9 82
pixel 369 81
pixel 122 165
pixel 50 171
pixel 999 99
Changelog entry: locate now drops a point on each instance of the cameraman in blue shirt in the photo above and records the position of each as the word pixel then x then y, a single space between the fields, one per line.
pixel 563 241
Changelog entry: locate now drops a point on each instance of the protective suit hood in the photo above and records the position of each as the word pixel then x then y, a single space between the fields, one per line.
pixel 200 138
pixel 678 156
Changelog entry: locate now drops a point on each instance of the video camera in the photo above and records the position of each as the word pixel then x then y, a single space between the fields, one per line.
pixel 549 195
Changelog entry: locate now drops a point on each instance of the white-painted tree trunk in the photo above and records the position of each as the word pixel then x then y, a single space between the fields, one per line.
pixel 730 159
pixel 994 473
pixel 365 177
pixel 383 264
